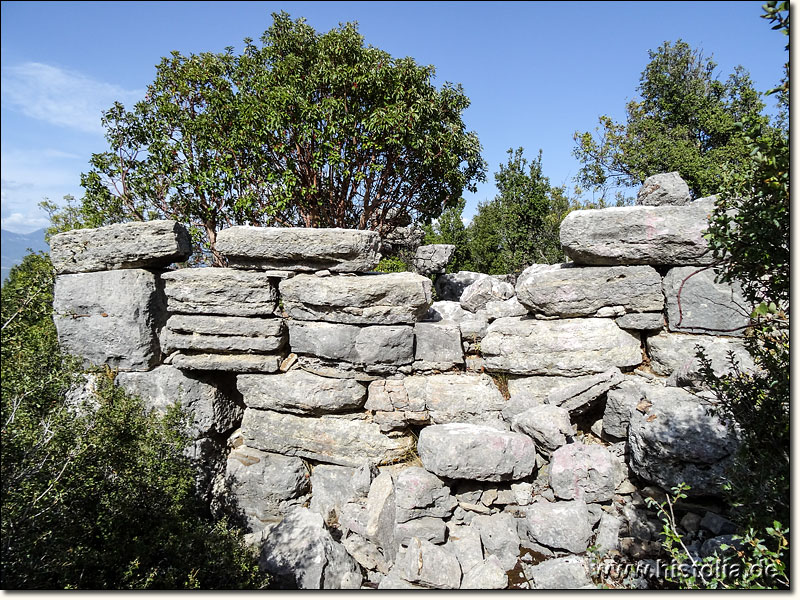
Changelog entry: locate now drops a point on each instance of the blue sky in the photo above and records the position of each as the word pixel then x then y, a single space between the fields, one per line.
pixel 535 71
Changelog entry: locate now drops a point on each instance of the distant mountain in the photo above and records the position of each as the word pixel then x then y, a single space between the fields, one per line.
pixel 15 246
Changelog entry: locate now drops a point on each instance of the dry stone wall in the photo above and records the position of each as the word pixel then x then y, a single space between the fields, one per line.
pixel 379 431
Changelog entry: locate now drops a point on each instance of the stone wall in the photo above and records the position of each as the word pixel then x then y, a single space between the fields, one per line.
pixel 370 436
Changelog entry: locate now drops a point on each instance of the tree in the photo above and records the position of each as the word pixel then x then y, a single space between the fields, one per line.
pixel 685 121
pixel 308 129
pixel 95 494
pixel 449 229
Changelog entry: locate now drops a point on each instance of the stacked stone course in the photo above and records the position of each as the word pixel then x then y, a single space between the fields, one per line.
pixel 373 437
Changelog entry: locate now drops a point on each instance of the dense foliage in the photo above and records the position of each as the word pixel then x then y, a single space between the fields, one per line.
pixel 96 492
pixel 684 120
pixel 308 129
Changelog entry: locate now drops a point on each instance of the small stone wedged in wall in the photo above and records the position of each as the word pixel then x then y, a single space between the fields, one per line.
pixel 568 347
pixel 367 345
pixel 137 245
pixel 110 317
pixel 437 346
pixel 234 363
pixel 220 291
pixel 300 392
pixel 697 304
pixel 419 493
pixel 585 472
pixel 639 235
pixel 300 248
pixel 378 299
pixel 562 525
pixel 347 440
pixel 664 189
pixel 641 321
pixel 548 425
pixel 227 326
pixel 224 344
pixel 571 291
pixel 432 259
pixel 484 290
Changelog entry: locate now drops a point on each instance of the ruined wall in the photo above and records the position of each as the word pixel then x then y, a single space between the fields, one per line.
pixel 372 437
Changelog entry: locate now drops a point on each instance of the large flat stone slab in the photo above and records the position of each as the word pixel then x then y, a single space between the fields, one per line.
pixel 301 392
pixel 300 248
pixel 227 326
pixel 330 439
pixel 214 291
pixel 639 235
pixel 564 347
pixel 582 291
pixel 234 363
pixel 697 304
pixel 370 345
pixel 380 299
pixel 222 343
pixel 149 244
pixel 110 317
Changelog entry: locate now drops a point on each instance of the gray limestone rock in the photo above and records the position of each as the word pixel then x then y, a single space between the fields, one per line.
pixel 223 344
pixel 565 573
pixel 499 537
pixel 331 489
pixel 432 259
pixel 608 532
pixel 300 548
pixel 497 309
pixel 620 402
pixel 664 189
pixel 641 321
pixel 486 289
pixel 438 346
pixel 474 327
pixel 455 398
pixel 330 438
pixel 450 286
pixel 378 299
pixel 639 235
pixel 563 525
pixel 136 245
pixel 548 425
pixel 580 395
pixel 207 399
pixel 301 392
pixel 110 317
pixel 419 493
pixel 234 363
pixel 488 575
pixel 446 310
pixel 213 291
pixel 465 451
pixel 428 565
pixel 572 291
pixel 717 524
pixel 300 248
pixel 465 543
pixel 696 304
pixel 566 347
pixel 362 479
pixel 366 553
pixel 374 344
pixel 227 326
pixel 380 512
pixel 585 472
pixel 430 529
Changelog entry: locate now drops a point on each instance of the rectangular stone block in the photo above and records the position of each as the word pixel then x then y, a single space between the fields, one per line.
pixel 639 235
pixel 300 248
pixel 300 392
pixel 375 344
pixel 379 299
pixel 438 346
pixel 233 326
pixel 562 347
pixel 110 317
pixel 225 344
pixel 214 291
pixel 235 363
pixel 149 244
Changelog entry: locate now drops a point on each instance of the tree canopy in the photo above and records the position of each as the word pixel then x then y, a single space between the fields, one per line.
pixel 306 129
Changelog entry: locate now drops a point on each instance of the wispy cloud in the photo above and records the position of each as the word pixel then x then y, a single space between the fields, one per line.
pixel 61 97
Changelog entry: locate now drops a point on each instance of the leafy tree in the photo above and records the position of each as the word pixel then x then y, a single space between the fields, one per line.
pixel 449 229
pixel 95 494
pixel 685 121
pixel 308 129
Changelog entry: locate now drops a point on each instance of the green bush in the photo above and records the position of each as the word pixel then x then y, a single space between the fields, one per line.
pixel 392 264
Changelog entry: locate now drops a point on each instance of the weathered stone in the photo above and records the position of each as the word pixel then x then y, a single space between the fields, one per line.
pixel 455 398
pixel 620 402
pixel 696 304
pixel 486 289
pixel 641 321
pixel 375 344
pixel 675 354
pixel 488 575
pixel 214 291
pixel 664 189
pixel 548 425
pixel 224 344
pixel 465 543
pixel 300 548
pixel 450 286
pixel 561 525
pixel 438 346
pixel 446 310
pixel 432 259
pixel 714 545
pixel 717 524
pixel 429 565
pixel 331 489
pixel 380 515
pixel 300 248
pixel 235 363
pixel 149 244
pixel 362 479
pixel 345 370
pixel 566 347
pixel 474 327
pixel 380 299
pixel 528 392
pixel 389 395
pixel 301 392
pixel 572 291
pixel 675 440
pixel 608 533
pixel 464 451
pixel 393 581
pixel 497 309
pixel 585 472
pixel 499 537
pixel 580 395
pixel 208 400
pixel 262 483
pixel 430 529
pixel 419 493
pixel 110 317
pixel 565 573
pixel 366 553
pixel 227 326
pixel 639 235
pixel 329 439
